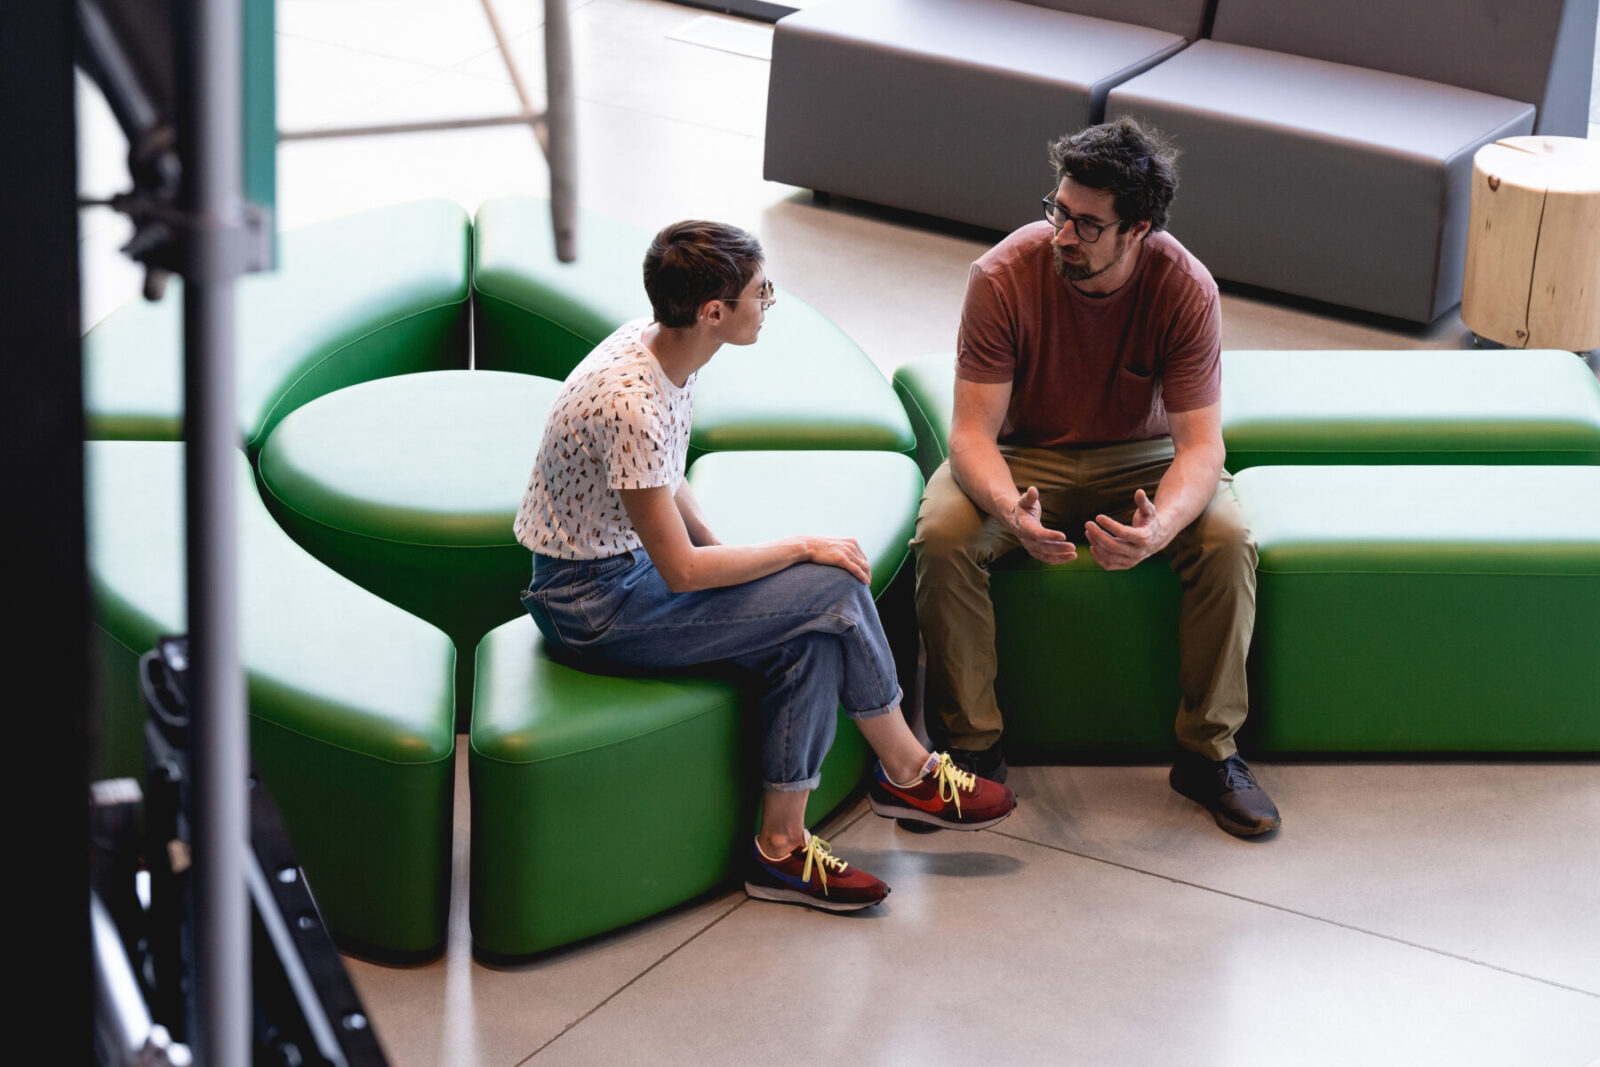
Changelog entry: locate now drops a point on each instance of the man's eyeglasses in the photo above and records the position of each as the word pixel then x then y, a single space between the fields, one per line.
pixel 1058 216
pixel 766 294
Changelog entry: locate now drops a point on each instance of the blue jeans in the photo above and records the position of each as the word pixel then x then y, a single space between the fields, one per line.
pixel 810 631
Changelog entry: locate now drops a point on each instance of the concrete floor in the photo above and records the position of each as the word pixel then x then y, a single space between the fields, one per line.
pixel 1431 913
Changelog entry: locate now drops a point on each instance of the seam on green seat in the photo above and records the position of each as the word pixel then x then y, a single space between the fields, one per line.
pixel 541 316
pixel 374 537
pixel 275 724
pixel 390 324
pixel 472 743
pixel 907 398
pixel 1399 572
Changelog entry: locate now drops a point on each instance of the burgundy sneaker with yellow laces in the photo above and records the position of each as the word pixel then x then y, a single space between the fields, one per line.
pixel 813 876
pixel 945 796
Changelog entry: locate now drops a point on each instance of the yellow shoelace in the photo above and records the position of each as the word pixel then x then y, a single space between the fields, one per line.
pixel 817 850
pixel 953 781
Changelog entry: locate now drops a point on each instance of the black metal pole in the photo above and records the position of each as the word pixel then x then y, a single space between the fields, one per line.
pixel 214 196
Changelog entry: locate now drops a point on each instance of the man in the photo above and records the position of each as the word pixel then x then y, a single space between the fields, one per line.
pixel 1088 378
pixel 627 574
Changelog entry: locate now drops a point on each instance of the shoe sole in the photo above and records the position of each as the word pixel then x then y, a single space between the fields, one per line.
pixel 905 813
pixel 1234 828
pixel 805 900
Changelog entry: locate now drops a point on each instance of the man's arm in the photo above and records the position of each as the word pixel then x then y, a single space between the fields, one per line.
pixel 1182 494
pixel 685 566
pixel 981 471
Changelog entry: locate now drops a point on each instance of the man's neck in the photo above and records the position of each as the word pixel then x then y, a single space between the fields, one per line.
pixel 680 352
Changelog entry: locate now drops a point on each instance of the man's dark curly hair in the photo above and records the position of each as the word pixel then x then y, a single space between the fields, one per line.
pixel 692 262
pixel 1135 163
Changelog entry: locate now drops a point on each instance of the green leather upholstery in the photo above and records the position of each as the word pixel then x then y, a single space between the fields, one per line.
pixel 803 385
pixel 531 312
pixel 377 293
pixel 926 388
pixel 1414 608
pixel 409 486
pixel 598 801
pixel 1534 406
pixel 1088 658
pixel 350 698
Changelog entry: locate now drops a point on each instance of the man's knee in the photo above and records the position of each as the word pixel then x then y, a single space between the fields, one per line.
pixel 949 524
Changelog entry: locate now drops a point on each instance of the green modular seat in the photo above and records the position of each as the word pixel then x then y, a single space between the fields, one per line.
pixel 1531 406
pixel 926 387
pixel 804 385
pixel 409 486
pixel 365 296
pixel 598 801
pixel 1426 608
pixel 350 698
pixel 1528 406
pixel 1088 658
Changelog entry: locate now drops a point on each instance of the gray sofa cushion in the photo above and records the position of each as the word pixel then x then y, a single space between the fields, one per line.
pixel 1329 181
pixel 941 106
pixel 1539 51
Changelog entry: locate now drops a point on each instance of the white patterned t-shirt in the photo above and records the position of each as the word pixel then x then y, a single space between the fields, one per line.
pixel 618 423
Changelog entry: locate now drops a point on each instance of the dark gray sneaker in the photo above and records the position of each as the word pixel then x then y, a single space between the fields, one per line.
pixel 1228 790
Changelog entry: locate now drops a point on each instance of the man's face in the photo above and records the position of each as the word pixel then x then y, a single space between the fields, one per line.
pixel 1076 259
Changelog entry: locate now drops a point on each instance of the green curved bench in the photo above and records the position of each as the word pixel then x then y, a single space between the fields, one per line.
pixel 409 485
pixel 364 736
pixel 803 385
pixel 598 801
pixel 351 696
pixel 365 296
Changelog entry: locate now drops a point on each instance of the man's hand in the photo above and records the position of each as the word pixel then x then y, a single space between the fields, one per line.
pixel 1117 547
pixel 841 552
pixel 1043 544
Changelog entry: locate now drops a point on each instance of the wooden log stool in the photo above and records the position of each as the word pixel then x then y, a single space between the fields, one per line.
pixel 1533 244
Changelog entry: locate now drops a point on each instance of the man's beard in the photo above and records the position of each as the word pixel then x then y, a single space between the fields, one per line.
pixel 1080 272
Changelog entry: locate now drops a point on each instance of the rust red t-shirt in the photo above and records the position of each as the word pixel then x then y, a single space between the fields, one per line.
pixel 1086 369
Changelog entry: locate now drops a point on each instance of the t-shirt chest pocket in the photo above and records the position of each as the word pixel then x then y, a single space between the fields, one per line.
pixel 1135 389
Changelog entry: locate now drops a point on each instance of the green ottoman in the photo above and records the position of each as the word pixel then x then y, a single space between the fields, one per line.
pixel 598 801
pixel 372 294
pixel 1426 609
pixel 409 486
pixel 804 385
pixel 349 697
pixel 1088 658
pixel 1538 406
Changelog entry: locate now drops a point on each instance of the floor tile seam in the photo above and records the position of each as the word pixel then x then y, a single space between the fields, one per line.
pixel 574 1024
pixel 672 118
pixel 432 68
pixel 1284 909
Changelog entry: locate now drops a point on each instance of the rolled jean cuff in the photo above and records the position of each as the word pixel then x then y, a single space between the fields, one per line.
pixel 882 709
pixel 807 786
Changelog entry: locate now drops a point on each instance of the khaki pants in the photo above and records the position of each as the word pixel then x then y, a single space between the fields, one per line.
pixel 1214 557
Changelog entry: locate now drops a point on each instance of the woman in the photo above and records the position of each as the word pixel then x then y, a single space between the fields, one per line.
pixel 628 575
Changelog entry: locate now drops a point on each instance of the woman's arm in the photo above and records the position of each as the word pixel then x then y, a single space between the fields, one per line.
pixel 694 520
pixel 685 566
